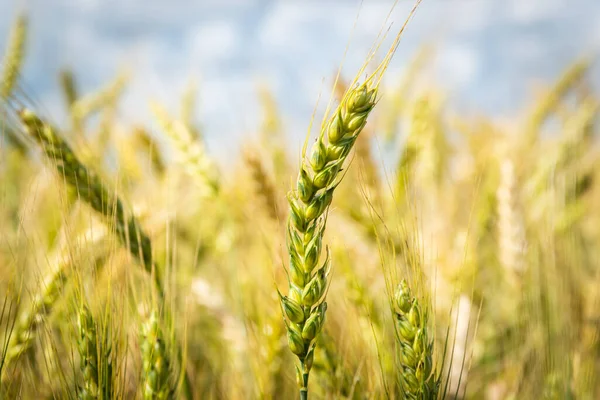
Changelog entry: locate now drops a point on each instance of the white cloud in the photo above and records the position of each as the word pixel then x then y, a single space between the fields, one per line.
pixel 459 64
pixel 470 16
pixel 213 40
pixel 285 24
pixel 527 48
pixel 535 10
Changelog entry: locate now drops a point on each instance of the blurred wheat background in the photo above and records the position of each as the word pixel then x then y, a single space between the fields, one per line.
pixel 168 229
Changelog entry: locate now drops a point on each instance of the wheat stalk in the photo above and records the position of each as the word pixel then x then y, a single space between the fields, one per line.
pixel 417 376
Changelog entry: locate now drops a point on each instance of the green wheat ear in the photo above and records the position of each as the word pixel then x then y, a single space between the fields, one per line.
pixel 87 341
pixel 92 190
pixel 156 364
pixel 304 307
pixel 417 376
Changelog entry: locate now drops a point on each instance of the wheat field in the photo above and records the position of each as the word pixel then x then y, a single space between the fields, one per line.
pixel 134 265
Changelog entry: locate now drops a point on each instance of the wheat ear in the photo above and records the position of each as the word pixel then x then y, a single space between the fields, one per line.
pixel 12 63
pixel 68 86
pixel 31 320
pixel 13 58
pixel 511 230
pixel 86 105
pixel 91 189
pixel 191 151
pixel 417 378
pixel 156 365
pixel 87 342
pixel 25 331
pixel 548 103
pixel 264 185
pixel 304 307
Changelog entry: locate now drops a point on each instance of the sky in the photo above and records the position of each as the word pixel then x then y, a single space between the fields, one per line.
pixel 489 53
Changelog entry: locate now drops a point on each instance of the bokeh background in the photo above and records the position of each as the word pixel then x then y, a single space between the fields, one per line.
pixel 489 215
pixel 489 55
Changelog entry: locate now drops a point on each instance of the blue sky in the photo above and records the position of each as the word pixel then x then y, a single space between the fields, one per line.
pixel 490 53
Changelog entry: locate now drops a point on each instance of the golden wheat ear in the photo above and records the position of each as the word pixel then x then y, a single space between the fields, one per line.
pixel 191 151
pixel 14 57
